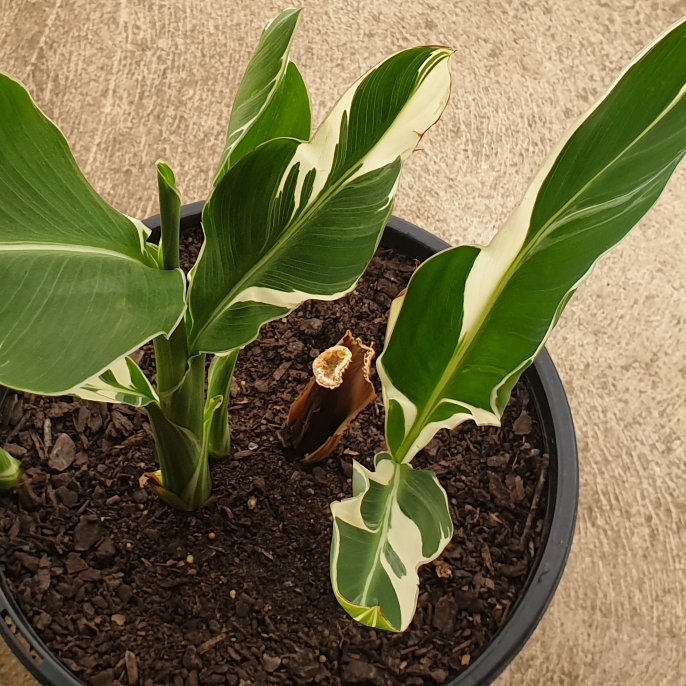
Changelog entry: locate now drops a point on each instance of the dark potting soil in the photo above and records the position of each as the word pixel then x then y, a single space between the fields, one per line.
pixel 125 590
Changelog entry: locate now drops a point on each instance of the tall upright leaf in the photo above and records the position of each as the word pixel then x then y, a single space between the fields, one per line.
pixel 292 221
pixel 272 100
pixel 72 268
pixel 484 313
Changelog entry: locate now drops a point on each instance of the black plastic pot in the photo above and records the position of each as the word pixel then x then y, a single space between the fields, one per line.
pixel 550 400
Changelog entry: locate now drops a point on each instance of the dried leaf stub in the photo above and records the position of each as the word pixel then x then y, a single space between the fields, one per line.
pixel 339 390
pixel 330 366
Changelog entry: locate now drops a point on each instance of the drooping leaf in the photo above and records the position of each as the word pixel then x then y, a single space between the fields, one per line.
pixel 272 100
pixel 293 221
pixel 396 521
pixel 123 382
pixel 484 313
pixel 79 287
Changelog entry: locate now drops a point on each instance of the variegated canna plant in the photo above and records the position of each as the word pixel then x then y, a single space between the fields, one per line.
pixel 290 218
pixel 474 318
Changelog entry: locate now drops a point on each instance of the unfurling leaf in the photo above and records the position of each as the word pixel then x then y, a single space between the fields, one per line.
pixel 10 471
pixel 396 521
pixel 339 390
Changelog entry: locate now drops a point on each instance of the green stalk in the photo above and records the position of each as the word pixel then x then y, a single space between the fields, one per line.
pixel 178 420
pixel 171 354
pixel 219 386
pixel 180 438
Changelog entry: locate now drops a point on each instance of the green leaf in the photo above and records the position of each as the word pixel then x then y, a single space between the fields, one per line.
pixel 396 521
pixel 272 100
pixel 483 314
pixel 124 382
pixel 79 286
pixel 293 221
pixel 10 471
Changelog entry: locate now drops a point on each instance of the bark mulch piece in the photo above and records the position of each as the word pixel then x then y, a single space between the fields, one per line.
pixel 125 590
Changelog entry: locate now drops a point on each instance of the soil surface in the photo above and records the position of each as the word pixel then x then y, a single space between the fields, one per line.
pixel 125 590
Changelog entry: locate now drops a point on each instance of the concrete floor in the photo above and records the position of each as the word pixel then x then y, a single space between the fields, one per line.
pixel 135 80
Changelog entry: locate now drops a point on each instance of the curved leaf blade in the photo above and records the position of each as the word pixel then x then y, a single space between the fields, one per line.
pixel 79 286
pixel 272 99
pixel 396 521
pixel 497 305
pixel 124 382
pixel 292 221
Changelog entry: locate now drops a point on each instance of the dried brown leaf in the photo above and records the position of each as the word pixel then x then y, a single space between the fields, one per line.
pixel 339 390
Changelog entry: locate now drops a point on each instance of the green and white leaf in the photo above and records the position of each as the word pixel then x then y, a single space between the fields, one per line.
pixel 272 100
pixel 294 221
pixel 396 521
pixel 485 313
pixel 124 382
pixel 10 471
pixel 79 287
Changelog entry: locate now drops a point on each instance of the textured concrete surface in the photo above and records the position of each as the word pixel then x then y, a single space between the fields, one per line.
pixel 130 81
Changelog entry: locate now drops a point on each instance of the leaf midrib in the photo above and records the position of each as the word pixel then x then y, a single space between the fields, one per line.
pixel 383 532
pixel 307 213
pixel 70 248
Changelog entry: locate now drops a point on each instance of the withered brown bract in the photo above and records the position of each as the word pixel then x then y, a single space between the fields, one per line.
pixel 339 390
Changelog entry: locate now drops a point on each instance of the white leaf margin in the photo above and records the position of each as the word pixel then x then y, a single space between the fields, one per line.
pixel 485 276
pixel 121 388
pixel 400 531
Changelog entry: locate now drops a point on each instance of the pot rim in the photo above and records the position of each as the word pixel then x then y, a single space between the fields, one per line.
pixel 550 400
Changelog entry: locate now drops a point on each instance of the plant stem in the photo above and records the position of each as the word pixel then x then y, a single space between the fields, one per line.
pixel 178 420
pixel 171 354
pixel 171 358
pixel 219 384
pixel 180 438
